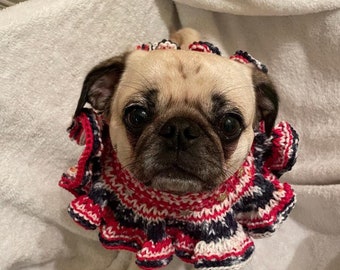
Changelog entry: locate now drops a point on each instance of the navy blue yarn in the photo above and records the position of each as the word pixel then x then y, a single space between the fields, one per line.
pixel 271 228
pixel 211 46
pixel 125 216
pixel 227 262
pixel 95 174
pixel 251 59
pixel 213 230
pixel 132 244
pixel 168 40
pixel 183 254
pixel 154 264
pixel 259 199
pixel 292 160
pixel 99 194
pixel 209 232
pixel 83 222
pixel 289 209
pixel 156 231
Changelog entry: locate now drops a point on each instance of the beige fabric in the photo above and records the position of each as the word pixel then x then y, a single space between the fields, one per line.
pixel 48 46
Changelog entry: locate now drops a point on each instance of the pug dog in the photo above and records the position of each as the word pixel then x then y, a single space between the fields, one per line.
pixel 180 121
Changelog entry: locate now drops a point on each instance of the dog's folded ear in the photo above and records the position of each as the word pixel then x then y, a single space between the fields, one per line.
pixel 267 100
pixel 100 84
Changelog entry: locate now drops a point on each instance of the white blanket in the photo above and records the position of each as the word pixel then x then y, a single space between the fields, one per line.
pixel 46 49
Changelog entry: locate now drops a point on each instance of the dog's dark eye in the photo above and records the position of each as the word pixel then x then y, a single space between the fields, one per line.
pixel 136 117
pixel 231 126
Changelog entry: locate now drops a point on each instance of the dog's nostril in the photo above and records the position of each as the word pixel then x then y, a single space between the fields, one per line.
pixel 168 131
pixel 180 133
pixel 191 133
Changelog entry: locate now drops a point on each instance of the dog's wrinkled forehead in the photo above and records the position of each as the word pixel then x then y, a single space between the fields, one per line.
pixel 185 76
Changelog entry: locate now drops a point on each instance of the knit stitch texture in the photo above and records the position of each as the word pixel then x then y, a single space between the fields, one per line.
pixel 212 230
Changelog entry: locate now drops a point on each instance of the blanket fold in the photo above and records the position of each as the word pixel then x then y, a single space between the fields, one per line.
pixel 46 49
pixel 263 7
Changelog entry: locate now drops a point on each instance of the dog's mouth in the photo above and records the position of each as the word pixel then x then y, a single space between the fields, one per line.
pixel 177 180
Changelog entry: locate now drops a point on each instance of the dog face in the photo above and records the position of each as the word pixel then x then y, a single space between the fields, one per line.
pixel 180 121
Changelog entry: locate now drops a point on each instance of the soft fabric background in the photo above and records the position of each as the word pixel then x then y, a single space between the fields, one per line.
pixel 46 49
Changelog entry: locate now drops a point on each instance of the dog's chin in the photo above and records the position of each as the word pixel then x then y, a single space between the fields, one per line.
pixel 176 185
pixel 177 182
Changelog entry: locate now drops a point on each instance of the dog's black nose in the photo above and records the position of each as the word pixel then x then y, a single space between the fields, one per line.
pixel 180 133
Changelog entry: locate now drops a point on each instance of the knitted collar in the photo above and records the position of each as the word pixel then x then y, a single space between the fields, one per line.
pixel 203 46
pixel 212 230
